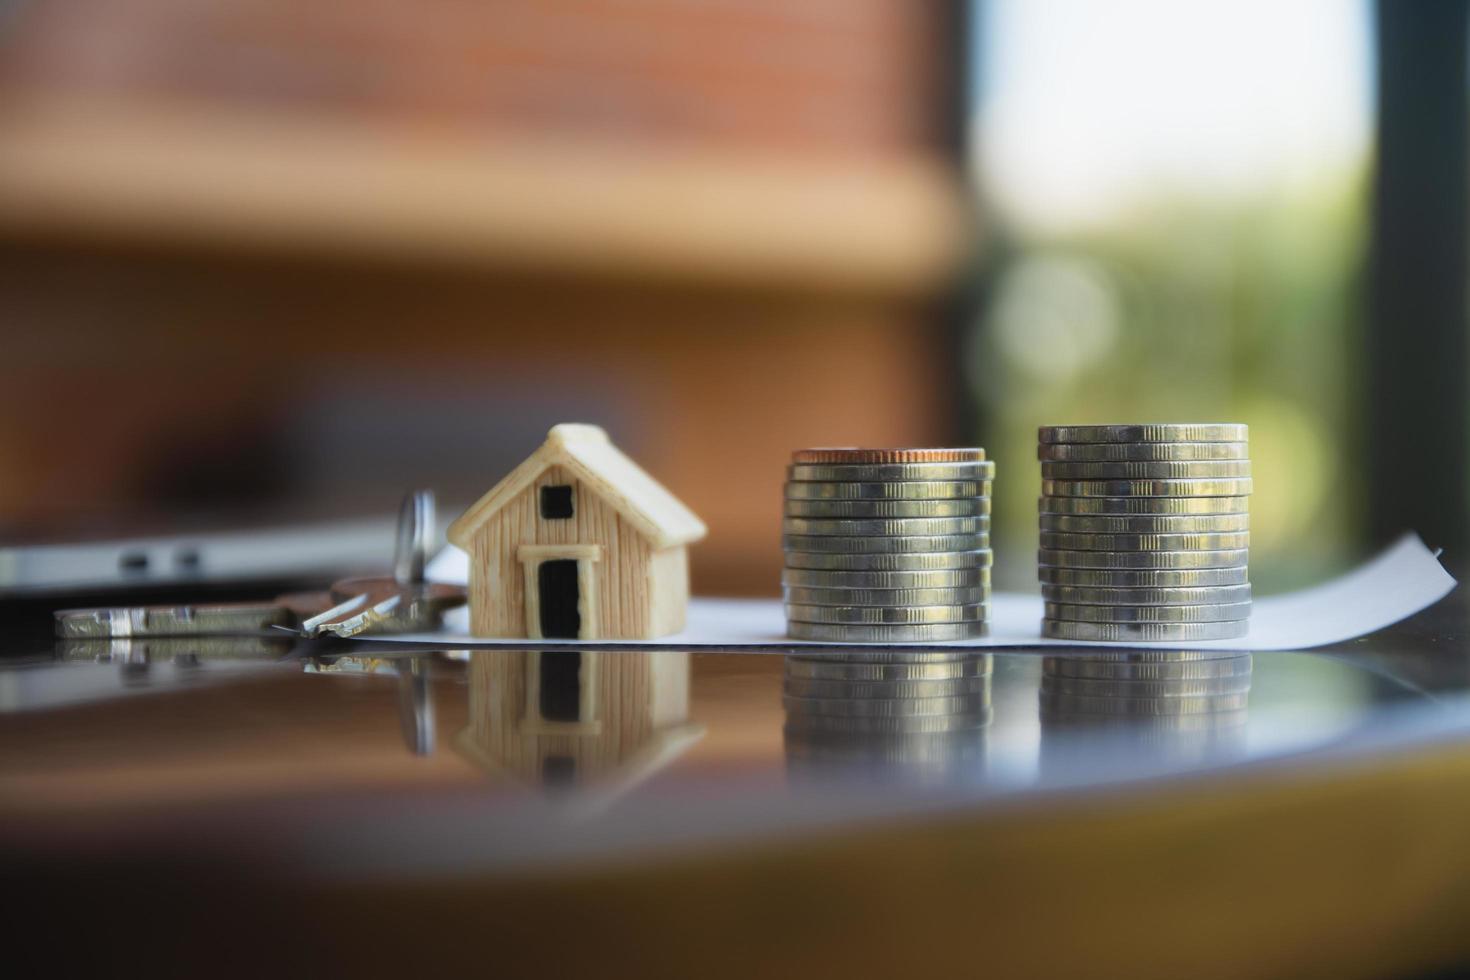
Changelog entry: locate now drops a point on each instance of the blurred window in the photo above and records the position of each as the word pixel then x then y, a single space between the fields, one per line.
pixel 1175 207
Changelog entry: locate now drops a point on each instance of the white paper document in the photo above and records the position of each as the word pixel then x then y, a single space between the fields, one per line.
pixel 1398 583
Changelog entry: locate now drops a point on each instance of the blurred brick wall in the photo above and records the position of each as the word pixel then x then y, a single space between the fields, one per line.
pixel 848 75
pixel 144 379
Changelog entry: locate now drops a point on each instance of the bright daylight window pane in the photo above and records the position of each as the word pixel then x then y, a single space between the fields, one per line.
pixel 1174 199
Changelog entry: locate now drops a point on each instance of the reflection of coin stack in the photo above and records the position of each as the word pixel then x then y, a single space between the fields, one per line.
pixel 1176 698
pixel 887 545
pixel 921 711
pixel 1145 532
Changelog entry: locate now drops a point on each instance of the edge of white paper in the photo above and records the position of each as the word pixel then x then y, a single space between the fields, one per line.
pixel 1403 580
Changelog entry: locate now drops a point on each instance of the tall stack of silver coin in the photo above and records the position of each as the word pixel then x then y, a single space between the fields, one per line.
pixel 922 713
pixel 1145 531
pixel 887 545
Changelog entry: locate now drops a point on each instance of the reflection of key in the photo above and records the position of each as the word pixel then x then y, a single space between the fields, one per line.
pixel 399 604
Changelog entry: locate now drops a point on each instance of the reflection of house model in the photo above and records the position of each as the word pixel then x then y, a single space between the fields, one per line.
pixel 556 717
pixel 577 542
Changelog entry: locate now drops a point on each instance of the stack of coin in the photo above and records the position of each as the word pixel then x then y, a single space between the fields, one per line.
pixel 887 545
pixel 1174 704
pixel 1145 531
pixel 916 713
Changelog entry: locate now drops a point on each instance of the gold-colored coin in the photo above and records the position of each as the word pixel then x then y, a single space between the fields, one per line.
pixel 1145 542
pixel 888 615
pixel 1219 612
pixel 1057 629
pixel 1146 523
pixel 913 633
pixel 1143 578
pixel 939 578
pixel 876 545
pixel 1124 452
pixel 911 490
pixel 1146 488
pixel 888 597
pixel 846 456
pixel 914 562
pixel 1080 595
pixel 883 472
pixel 876 527
pixel 1146 432
pixel 1234 558
pixel 1215 469
pixel 1126 506
pixel 888 509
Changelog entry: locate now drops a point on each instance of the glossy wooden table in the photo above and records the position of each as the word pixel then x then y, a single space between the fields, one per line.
pixel 233 808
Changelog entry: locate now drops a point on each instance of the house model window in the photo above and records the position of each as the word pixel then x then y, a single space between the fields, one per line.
pixel 556 503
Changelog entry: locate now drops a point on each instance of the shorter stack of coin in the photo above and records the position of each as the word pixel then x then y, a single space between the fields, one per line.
pixel 1174 704
pixel 919 712
pixel 887 545
pixel 1145 531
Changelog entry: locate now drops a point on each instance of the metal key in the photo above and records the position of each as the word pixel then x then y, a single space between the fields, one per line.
pixel 402 603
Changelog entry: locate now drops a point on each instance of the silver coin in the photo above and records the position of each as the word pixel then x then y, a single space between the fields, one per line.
pixel 1089 668
pixel 1068 541
pixel 858 545
pixel 1143 578
pixel 885 472
pixel 906 490
pixel 1146 432
pixel 1217 469
pixel 1146 488
pixel 886 597
pixel 1122 506
pixel 1144 632
pixel 1234 558
pixel 895 527
pixel 956 507
pixel 913 667
pixel 801 687
pixel 921 724
pixel 1142 452
pixel 1090 687
pixel 1145 523
pixel 1082 704
pixel 1219 612
pixel 920 562
pixel 887 615
pixel 943 578
pixel 1082 595
pixel 959 704
pixel 916 633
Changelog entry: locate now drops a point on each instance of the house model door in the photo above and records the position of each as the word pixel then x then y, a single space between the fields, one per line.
pixel 559 596
pixel 561 590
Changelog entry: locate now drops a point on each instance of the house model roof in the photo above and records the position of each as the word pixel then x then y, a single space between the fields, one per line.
pixel 605 470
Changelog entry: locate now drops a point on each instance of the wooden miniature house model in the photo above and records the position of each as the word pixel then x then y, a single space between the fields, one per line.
pixel 577 542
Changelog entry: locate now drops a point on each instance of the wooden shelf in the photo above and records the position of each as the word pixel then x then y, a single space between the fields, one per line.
pixel 136 175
